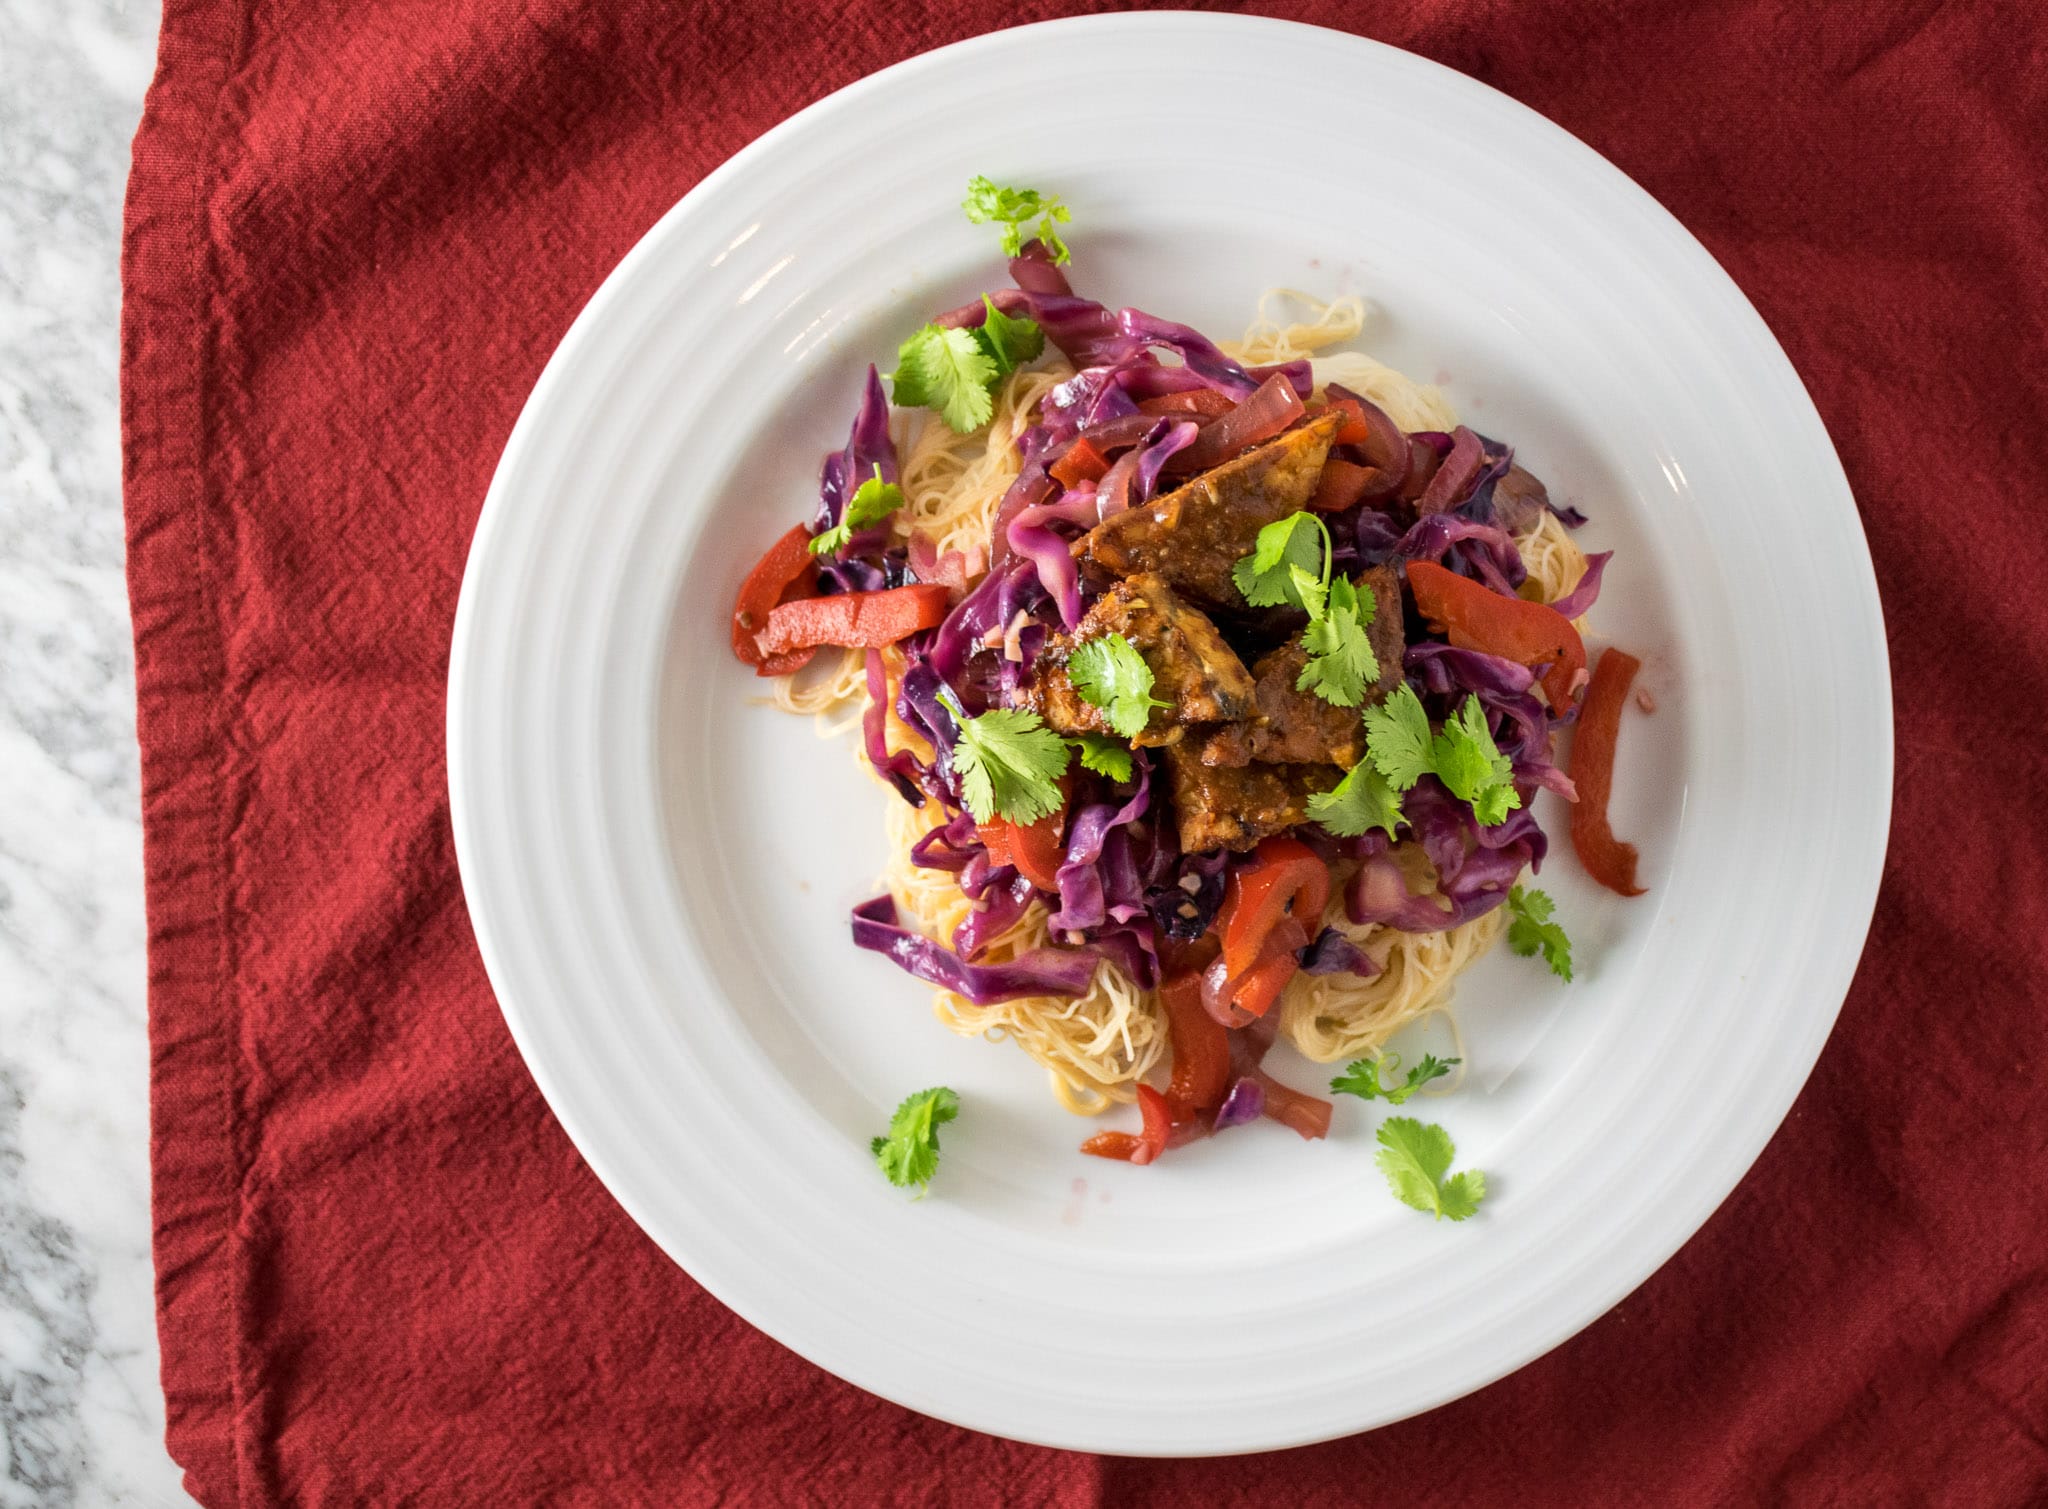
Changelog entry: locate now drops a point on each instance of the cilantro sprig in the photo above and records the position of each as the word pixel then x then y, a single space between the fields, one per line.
pixel 909 1154
pixel 1415 1156
pixel 1103 755
pixel 1362 1078
pixel 1110 674
pixel 988 203
pixel 873 501
pixel 1359 803
pixel 954 371
pixel 1532 930
pixel 1010 763
pixel 1462 754
pixel 1290 565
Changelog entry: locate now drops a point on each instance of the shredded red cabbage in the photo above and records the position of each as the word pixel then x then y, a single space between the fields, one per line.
pixel 1041 972
pixel 1334 954
pixel 1581 598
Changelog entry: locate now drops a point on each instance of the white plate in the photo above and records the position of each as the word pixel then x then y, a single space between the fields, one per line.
pixel 659 872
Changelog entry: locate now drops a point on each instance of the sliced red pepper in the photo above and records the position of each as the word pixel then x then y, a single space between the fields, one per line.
pixel 1203 403
pixel 1260 986
pixel 1151 1139
pixel 1201 1050
pixel 787 573
pixel 1354 430
pixel 1606 858
pixel 1341 485
pixel 861 620
pixel 1283 878
pixel 1478 618
pixel 1307 1114
pixel 1082 463
pixel 1036 849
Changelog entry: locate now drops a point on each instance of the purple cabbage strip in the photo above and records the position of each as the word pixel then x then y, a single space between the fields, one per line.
pixel 1029 535
pixel 1246 1102
pixel 1130 948
pixel 1334 954
pixel 1002 901
pixel 951 846
pixel 900 769
pixel 867 447
pixel 1042 971
pixel 1582 597
pixel 1134 476
pixel 1493 555
pixel 1083 901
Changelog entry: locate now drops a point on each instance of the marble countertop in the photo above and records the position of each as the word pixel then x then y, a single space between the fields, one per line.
pixel 81 1414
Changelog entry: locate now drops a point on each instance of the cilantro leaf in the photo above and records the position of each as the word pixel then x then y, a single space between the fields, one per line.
pixel 1397 738
pixel 1010 763
pixel 1010 208
pixel 1415 1155
pixel 1362 1079
pixel 1341 664
pixel 1104 755
pixel 957 375
pixel 1532 930
pixel 871 503
pixel 1009 343
pixel 1110 673
pixel 1361 801
pixel 1472 767
pixel 1266 576
pixel 910 1153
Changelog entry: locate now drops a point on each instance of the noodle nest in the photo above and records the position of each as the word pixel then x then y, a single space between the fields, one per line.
pixel 1097 1046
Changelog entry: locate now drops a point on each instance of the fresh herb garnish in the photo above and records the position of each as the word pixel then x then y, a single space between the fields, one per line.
pixel 1462 754
pixel 1010 763
pixel 955 371
pixel 873 501
pixel 1267 577
pixel 1341 664
pixel 1361 801
pixel 948 371
pixel 910 1153
pixel 1103 755
pixel 1532 930
pixel 986 204
pixel 1362 1079
pixel 1110 674
pixel 1290 565
pixel 1415 1156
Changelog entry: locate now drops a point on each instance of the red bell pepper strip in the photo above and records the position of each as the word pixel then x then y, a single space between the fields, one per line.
pixel 1478 618
pixel 1201 1050
pixel 1150 1141
pixel 1082 463
pixel 1285 878
pixel 1606 858
pixel 1036 849
pixel 787 573
pixel 1260 986
pixel 1354 430
pixel 860 620
pixel 1342 484
pixel 1203 404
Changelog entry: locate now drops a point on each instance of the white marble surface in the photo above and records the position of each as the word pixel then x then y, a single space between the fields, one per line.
pixel 81 1416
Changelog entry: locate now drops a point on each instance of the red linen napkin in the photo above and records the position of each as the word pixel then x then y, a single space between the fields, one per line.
pixel 354 234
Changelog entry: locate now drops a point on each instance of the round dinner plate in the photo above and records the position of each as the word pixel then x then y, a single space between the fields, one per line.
pixel 659 867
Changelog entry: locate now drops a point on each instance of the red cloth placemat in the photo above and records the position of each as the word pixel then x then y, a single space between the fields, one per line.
pixel 354 234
